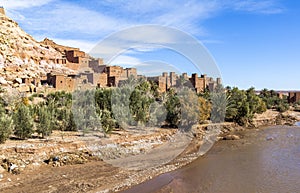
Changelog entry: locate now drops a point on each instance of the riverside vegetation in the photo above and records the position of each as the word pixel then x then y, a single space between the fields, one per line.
pixel 22 119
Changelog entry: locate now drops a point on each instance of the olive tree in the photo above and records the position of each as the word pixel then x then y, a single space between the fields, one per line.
pixel 23 122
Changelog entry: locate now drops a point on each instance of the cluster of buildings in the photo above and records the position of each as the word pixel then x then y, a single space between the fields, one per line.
pixel 113 76
pixel 291 96
pixel 199 83
pixel 108 76
pixel 92 73
pixel 88 72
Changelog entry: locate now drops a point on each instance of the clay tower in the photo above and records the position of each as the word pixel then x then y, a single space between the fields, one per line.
pixel 2 11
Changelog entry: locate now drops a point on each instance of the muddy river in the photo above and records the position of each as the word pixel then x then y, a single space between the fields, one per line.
pixel 263 161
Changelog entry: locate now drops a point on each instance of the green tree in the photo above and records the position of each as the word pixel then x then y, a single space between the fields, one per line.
pixel 140 101
pixel 158 113
pixel 256 104
pixel 206 94
pixel 173 107
pixel 71 125
pixel 103 98
pixel 154 89
pixel 237 109
pixel 107 122
pixel 84 110
pixel 272 100
pixel 6 127
pixel 189 107
pixel 242 105
pixel 45 122
pixel 6 122
pixel 204 109
pixel 23 122
pixel 282 107
pixel 218 105
pixel 121 105
pixel 60 98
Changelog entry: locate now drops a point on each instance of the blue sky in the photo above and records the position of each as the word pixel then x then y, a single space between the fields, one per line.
pixel 254 42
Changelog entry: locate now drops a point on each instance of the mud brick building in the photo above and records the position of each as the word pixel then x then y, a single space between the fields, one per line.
pixel 73 58
pixel 62 82
pixel 294 97
pixel 115 74
pixel 166 81
pixel 78 57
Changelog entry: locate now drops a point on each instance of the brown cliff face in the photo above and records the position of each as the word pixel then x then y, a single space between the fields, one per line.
pixel 21 56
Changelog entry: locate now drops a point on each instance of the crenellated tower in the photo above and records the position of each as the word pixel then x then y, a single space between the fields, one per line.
pixel 2 11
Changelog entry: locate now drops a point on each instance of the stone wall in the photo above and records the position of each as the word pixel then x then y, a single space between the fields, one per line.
pixel 56 46
pixel 61 82
pixel 116 71
pixel 199 83
pixel 130 72
pixel 100 79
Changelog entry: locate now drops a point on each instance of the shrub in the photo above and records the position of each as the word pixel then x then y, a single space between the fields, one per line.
pixel 45 123
pixel 6 127
pixel 23 122
pixel 282 107
pixel 172 106
pixel 108 123
pixel 205 109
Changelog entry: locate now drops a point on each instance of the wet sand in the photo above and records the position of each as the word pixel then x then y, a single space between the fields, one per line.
pixel 266 160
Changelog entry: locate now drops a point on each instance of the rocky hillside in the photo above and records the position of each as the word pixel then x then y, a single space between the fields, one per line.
pixel 21 56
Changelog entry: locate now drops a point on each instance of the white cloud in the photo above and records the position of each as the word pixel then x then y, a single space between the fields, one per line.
pixel 141 38
pixel 256 6
pixel 210 41
pixel 21 4
pixel 187 16
pixel 71 20
pixel 125 60
pixel 77 20
pixel 175 13
pixel 155 68
pixel 83 45
pixel 144 48
pixel 148 34
pixel 15 14
pixel 79 26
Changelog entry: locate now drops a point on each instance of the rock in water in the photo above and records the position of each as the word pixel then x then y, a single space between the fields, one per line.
pixel 231 137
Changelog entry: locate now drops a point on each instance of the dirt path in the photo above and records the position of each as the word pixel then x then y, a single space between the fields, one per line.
pixel 92 176
pixel 158 156
pixel 72 178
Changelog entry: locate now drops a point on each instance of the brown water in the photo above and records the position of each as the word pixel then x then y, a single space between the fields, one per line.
pixel 267 160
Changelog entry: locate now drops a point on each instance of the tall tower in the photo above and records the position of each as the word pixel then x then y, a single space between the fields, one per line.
pixel 219 81
pixel 2 11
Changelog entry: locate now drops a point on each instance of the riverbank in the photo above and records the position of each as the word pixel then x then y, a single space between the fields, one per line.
pixel 68 162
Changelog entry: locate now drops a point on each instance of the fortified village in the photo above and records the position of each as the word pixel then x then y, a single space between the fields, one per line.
pixel 43 67
pixel 92 73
